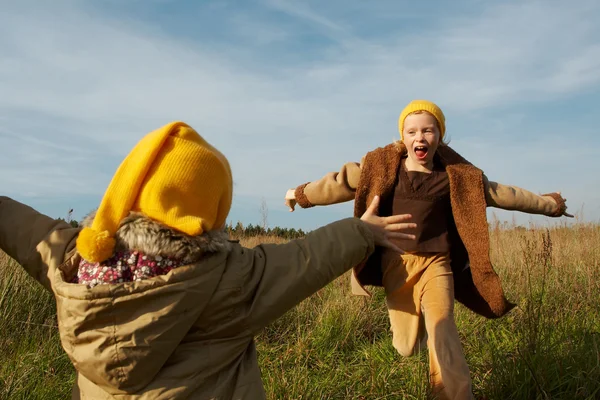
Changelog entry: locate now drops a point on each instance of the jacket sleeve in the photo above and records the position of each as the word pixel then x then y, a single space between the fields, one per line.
pixel 517 199
pixel 333 188
pixel 35 241
pixel 285 274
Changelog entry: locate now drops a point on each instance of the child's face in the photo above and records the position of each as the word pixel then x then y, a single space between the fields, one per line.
pixel 421 136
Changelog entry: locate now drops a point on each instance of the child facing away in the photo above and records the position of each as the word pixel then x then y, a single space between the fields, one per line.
pixel 447 197
pixel 153 301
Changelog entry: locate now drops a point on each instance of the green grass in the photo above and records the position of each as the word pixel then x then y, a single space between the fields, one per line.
pixel 337 346
pixel 33 366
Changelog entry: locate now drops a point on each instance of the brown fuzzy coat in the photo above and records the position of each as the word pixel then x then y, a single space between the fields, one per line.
pixel 477 287
pixel 476 283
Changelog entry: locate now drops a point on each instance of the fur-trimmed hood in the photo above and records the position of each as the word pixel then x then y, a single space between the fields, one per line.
pixel 139 232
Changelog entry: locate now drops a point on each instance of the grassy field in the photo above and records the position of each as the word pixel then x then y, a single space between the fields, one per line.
pixel 336 346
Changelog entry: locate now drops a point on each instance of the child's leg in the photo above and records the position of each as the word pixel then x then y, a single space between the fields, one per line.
pixel 404 304
pixel 449 372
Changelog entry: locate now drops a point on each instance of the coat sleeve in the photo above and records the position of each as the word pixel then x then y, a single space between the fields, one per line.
pixel 35 241
pixel 285 274
pixel 333 188
pixel 514 198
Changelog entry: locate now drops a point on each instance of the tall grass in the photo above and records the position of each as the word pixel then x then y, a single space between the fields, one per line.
pixel 337 346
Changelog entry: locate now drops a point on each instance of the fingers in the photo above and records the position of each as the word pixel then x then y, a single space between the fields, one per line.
pixel 400 235
pixel 290 199
pixel 290 194
pixel 565 213
pixel 397 218
pixel 400 227
pixel 290 204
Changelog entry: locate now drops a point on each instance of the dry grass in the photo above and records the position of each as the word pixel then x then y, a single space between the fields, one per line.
pixel 335 346
pixel 256 240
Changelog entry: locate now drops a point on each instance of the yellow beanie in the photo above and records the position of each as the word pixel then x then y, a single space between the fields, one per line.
pixel 172 176
pixel 423 105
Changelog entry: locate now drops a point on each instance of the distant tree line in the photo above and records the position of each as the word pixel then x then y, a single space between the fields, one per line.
pixel 239 231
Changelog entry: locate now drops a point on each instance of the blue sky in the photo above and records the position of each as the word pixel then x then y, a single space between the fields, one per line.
pixel 290 90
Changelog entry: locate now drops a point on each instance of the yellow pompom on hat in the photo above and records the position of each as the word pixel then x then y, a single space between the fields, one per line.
pixel 423 105
pixel 173 176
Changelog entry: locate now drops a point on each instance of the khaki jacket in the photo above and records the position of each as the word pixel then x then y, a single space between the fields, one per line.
pixel 477 285
pixel 188 334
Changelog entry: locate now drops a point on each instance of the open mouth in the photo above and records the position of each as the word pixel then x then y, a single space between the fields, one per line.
pixel 421 152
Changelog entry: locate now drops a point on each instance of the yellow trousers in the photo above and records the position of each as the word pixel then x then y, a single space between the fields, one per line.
pixel 420 299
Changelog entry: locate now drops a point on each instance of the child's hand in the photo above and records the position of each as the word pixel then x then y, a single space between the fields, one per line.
pixel 561 203
pixel 386 228
pixel 290 199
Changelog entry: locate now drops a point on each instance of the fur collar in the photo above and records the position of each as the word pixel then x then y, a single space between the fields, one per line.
pixel 138 232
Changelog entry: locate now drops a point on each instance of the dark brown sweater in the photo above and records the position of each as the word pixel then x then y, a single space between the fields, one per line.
pixel 426 196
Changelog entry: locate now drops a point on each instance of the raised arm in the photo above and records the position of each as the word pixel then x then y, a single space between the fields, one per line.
pixel 37 242
pixel 283 275
pixel 514 198
pixel 333 188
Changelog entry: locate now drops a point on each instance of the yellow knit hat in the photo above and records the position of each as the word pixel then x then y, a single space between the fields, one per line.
pixel 423 105
pixel 172 176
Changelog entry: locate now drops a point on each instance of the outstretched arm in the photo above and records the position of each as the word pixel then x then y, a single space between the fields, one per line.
pixel 283 275
pixel 333 188
pixel 517 199
pixel 37 242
